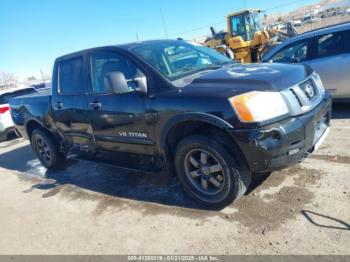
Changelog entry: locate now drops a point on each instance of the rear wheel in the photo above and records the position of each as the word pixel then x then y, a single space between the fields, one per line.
pixel 209 173
pixel 17 133
pixel 3 137
pixel 46 149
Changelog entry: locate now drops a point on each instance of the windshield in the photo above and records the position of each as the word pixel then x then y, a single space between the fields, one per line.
pixel 238 26
pixel 178 59
pixel 245 25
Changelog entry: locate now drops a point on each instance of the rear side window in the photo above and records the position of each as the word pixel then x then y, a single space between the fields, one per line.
pixel 346 41
pixel 71 80
pixel 330 44
pixel 333 44
pixel 293 53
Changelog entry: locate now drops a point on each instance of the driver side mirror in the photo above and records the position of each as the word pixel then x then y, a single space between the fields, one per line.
pixel 117 82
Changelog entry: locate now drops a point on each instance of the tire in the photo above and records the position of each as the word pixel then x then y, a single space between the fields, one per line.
pixel 226 181
pixel 17 133
pixel 3 137
pixel 46 149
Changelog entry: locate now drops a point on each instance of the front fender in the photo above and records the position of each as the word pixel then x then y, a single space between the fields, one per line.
pixel 200 117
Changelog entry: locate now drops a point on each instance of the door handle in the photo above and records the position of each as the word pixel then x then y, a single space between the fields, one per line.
pixel 95 105
pixel 59 105
pixel 152 116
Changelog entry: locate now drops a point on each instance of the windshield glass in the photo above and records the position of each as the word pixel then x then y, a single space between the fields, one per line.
pixel 245 25
pixel 178 59
pixel 238 26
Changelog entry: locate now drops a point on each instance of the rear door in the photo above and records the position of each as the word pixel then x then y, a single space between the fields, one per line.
pixel 331 61
pixel 118 121
pixel 69 102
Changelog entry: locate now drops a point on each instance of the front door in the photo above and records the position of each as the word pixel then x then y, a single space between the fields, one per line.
pixel 118 120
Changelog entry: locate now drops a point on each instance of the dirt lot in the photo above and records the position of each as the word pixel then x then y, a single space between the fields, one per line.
pixel 97 208
pixel 324 22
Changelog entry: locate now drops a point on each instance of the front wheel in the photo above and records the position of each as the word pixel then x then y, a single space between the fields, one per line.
pixel 208 172
pixel 46 149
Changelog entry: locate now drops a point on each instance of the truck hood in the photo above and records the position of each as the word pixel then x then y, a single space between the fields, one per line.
pixel 241 78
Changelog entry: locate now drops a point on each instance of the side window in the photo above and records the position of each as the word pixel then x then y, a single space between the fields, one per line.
pixel 346 41
pixel 105 63
pixel 71 80
pixel 330 44
pixel 294 53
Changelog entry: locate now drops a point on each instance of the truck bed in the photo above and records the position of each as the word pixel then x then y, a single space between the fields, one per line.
pixel 32 106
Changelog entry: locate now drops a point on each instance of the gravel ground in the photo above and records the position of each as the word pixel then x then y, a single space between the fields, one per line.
pixel 97 208
pixel 323 23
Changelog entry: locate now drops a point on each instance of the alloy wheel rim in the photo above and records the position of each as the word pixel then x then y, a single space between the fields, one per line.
pixel 43 150
pixel 205 171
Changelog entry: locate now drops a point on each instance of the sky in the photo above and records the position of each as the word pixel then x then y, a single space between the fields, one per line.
pixel 35 32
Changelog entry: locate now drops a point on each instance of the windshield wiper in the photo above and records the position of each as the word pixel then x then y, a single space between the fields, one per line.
pixel 216 65
pixel 195 69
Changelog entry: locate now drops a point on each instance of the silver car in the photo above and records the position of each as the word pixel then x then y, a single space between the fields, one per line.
pixel 326 50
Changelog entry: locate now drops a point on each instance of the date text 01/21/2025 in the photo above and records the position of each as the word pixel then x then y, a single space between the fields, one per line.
pixel 173 258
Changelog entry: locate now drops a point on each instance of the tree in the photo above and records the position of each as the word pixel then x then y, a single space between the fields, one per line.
pixel 8 79
pixel 31 78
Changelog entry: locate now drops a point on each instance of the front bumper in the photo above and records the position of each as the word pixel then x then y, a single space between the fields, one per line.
pixel 286 142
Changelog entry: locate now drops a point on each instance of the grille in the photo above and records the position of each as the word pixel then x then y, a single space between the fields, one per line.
pixel 309 89
pixel 304 96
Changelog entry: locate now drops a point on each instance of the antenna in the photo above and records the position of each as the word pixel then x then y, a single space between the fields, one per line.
pixel 163 21
pixel 42 74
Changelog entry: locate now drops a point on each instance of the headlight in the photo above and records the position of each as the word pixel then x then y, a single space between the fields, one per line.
pixel 256 106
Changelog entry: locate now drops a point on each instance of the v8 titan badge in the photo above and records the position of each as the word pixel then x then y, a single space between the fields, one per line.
pixel 133 134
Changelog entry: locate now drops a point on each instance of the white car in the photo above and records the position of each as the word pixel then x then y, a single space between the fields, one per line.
pixel 296 22
pixel 280 26
pixel 6 123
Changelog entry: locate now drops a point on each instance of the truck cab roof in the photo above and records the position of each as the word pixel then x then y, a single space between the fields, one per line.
pixel 125 46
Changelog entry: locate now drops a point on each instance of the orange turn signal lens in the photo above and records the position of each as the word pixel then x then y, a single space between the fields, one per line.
pixel 240 104
pixel 258 106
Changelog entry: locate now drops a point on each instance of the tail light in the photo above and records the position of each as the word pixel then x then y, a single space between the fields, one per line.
pixel 4 109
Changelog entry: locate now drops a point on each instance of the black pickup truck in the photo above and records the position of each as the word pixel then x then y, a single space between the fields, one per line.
pixel 210 121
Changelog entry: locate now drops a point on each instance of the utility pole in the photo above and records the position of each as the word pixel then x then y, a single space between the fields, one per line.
pixel 164 25
pixel 42 74
pixel 137 37
pixel 245 4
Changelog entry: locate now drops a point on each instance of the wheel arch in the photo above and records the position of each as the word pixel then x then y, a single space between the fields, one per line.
pixel 190 118
pixel 187 124
pixel 33 124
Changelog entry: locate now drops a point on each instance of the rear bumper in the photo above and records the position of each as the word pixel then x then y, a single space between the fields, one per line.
pixel 287 142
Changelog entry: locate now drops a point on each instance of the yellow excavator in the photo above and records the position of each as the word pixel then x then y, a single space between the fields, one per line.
pixel 245 39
